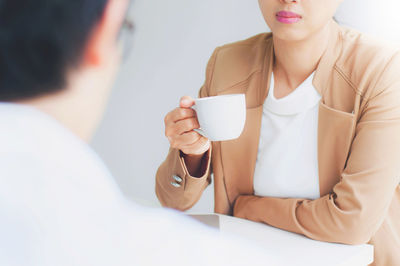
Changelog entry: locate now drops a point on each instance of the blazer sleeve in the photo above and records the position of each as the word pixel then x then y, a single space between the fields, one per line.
pixel 184 194
pixel 358 204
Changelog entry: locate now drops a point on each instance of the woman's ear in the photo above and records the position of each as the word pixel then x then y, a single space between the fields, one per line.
pixel 103 39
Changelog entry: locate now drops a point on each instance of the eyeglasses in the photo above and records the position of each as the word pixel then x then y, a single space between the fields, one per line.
pixel 126 36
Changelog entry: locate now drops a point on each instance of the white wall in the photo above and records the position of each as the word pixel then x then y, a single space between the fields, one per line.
pixel 378 18
pixel 173 41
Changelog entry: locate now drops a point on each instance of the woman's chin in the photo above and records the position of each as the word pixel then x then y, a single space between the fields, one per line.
pixel 289 35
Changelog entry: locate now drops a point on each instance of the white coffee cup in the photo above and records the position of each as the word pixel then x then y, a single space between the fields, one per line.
pixel 221 117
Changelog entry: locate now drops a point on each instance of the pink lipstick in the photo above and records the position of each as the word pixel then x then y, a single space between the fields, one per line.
pixel 287 17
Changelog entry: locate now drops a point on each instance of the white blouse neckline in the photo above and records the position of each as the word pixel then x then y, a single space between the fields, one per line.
pixel 304 97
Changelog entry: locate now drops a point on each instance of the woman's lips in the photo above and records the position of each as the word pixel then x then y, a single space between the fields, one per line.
pixel 287 17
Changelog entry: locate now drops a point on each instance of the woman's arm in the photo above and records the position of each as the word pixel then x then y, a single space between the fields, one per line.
pixel 183 193
pixel 181 178
pixel 356 208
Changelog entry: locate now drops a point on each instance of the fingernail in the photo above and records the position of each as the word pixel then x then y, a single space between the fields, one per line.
pixel 185 101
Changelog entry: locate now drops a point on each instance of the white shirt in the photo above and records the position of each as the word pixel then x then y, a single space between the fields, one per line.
pixel 287 160
pixel 59 205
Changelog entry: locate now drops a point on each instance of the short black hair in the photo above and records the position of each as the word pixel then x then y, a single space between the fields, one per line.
pixel 40 40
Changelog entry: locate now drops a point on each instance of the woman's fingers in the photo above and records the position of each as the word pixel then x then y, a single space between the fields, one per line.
pixel 185 140
pixel 179 114
pixel 186 125
pixel 188 139
pixel 179 125
pixel 199 147
pixel 186 102
pixel 174 130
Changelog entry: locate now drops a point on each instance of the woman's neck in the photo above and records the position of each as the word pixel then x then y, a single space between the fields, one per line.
pixel 296 60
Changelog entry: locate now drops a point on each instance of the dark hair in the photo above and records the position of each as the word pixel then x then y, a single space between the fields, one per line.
pixel 40 40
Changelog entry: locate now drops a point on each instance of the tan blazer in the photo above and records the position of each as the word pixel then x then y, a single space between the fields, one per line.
pixel 358 145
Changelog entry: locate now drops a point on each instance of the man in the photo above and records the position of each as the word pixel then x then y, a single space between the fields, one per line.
pixel 58 203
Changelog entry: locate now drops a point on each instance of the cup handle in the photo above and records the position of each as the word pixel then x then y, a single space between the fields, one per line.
pixel 199 130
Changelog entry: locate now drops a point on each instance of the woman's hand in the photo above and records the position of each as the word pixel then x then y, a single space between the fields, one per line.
pixel 179 125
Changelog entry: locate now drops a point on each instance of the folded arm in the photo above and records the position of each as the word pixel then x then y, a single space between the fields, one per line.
pixel 356 207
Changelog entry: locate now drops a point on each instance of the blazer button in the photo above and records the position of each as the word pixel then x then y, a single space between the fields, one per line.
pixel 175 184
pixel 177 178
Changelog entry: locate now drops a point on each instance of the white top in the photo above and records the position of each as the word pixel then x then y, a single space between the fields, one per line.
pixel 287 160
pixel 59 205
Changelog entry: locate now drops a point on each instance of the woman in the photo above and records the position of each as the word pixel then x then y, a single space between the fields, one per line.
pixel 320 151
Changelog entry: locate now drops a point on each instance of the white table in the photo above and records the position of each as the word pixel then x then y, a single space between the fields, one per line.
pixel 291 248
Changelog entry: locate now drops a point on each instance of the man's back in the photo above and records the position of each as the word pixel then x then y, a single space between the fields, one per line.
pixel 60 206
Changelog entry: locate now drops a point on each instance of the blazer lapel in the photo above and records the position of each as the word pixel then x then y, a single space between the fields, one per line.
pixel 239 156
pixel 335 127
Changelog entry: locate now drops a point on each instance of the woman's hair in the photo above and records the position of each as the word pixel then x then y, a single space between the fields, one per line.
pixel 40 40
